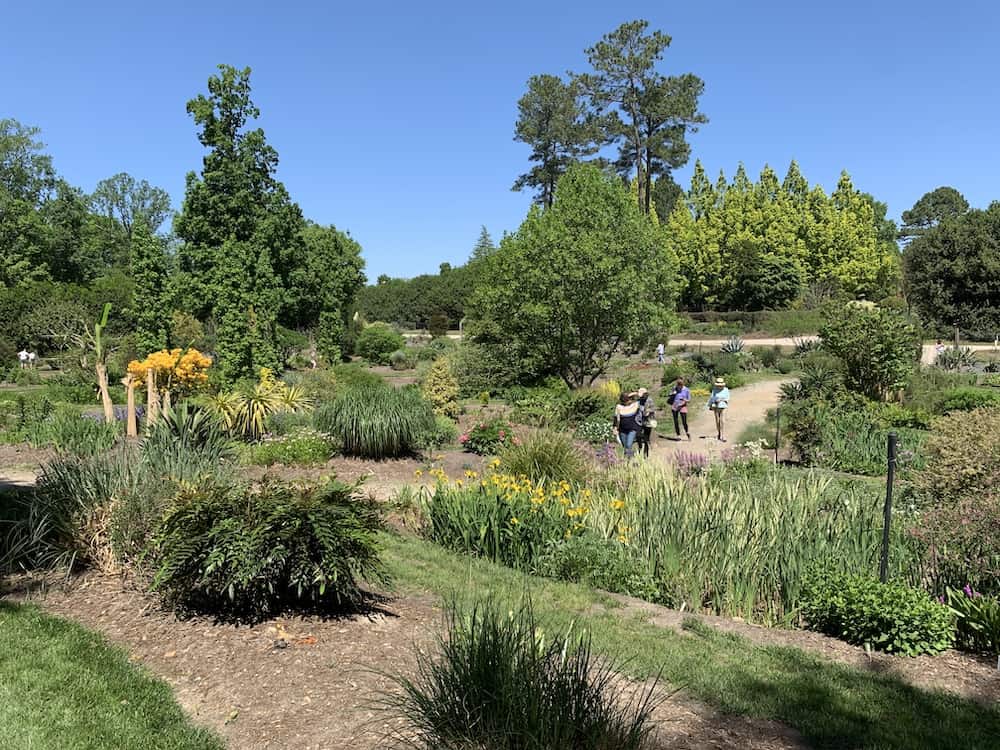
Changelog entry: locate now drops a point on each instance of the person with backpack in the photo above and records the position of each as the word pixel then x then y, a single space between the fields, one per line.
pixel 627 421
pixel 678 400
pixel 648 409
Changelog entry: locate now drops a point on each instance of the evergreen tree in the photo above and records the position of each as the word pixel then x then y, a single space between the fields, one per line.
pixel 484 246
pixel 149 272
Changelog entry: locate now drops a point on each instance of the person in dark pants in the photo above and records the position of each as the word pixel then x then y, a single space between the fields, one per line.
pixel 627 422
pixel 648 420
pixel 679 398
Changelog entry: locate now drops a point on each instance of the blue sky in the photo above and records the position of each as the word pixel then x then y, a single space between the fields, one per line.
pixel 395 120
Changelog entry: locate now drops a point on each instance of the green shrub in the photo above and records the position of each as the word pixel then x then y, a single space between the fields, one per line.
pixel 890 416
pixel 768 356
pixel 501 680
pixel 599 563
pixel 586 402
pixel 963 458
pixel 786 365
pixel 978 626
pixel 539 406
pixel 402 359
pixel 926 387
pixel 441 433
pixel 886 616
pixel 545 456
pixel 678 367
pixel 376 421
pixel 440 387
pixel 301 447
pixel 251 554
pixel 488 438
pixel 484 368
pixel 378 341
pixel 956 359
pixel 961 542
pixel 596 430
pixel 967 399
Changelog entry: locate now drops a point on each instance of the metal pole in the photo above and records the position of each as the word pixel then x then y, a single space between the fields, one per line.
pixel 777 432
pixel 883 571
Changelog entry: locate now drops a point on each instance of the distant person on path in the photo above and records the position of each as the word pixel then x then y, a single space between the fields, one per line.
pixel 660 351
pixel 31 360
pixel 679 398
pixel 628 422
pixel 939 348
pixel 718 402
pixel 648 409
pixel 22 357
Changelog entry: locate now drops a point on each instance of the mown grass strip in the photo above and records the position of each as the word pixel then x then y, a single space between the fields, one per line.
pixel 831 705
pixel 63 687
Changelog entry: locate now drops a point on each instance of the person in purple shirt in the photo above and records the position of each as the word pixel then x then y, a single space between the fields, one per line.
pixel 678 399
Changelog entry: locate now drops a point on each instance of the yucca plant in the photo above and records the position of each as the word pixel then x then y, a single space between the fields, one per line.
pixel 500 681
pixel 377 421
pixel 733 345
pixel 806 346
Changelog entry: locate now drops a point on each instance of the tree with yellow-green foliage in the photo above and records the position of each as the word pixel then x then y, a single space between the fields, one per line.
pixel 752 246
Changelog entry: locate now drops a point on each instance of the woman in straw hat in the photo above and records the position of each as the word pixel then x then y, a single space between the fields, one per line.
pixel 718 402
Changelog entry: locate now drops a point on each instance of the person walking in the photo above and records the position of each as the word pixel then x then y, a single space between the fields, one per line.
pixel 22 357
pixel 648 409
pixel 31 360
pixel 718 402
pixel 627 422
pixel 679 398
pixel 660 351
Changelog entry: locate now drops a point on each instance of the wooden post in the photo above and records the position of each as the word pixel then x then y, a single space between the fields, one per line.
pixel 131 423
pixel 102 386
pixel 152 399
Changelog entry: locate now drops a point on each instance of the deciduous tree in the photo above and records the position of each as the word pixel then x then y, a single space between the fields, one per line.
pixel 575 281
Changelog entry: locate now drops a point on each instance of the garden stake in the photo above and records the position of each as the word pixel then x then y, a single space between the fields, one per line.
pixel 890 475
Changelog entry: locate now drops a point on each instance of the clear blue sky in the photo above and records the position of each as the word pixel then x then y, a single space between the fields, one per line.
pixel 395 120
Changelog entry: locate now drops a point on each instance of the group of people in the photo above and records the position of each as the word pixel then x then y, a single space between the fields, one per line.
pixel 27 359
pixel 635 415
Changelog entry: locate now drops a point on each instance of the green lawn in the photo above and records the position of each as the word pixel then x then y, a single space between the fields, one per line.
pixel 832 705
pixel 63 688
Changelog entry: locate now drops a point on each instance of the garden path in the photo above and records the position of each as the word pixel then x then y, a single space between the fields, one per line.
pixel 749 405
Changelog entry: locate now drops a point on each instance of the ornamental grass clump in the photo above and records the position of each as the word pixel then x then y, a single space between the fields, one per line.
pixel 545 456
pixel 377 421
pixel 499 681
pixel 250 553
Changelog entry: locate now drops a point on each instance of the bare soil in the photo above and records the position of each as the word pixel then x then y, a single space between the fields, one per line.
pixel 314 684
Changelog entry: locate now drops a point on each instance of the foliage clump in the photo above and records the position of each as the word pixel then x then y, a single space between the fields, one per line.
pixel 440 387
pixel 502 680
pixel 377 421
pixel 886 616
pixel 377 342
pixel 249 554
pixel 545 456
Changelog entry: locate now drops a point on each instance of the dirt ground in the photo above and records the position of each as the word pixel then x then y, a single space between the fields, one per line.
pixel 314 684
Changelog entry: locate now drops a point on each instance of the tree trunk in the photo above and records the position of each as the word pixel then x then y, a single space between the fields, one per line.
pixel 102 386
pixel 131 423
pixel 152 399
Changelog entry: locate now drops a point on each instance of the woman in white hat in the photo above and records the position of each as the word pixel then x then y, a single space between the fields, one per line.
pixel 718 402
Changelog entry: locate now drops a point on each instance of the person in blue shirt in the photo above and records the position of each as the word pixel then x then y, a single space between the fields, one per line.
pixel 718 402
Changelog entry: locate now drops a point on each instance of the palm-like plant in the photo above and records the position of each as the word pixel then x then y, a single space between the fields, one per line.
pixel 734 345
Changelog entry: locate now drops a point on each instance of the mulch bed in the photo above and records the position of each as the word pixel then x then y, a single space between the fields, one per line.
pixel 311 683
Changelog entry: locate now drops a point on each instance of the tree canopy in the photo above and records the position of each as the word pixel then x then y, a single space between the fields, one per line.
pixel 575 281
pixel 953 272
pixel 932 208
pixel 746 245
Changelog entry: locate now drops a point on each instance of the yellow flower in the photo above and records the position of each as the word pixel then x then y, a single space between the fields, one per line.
pixel 514 521
pixel 418 473
pixel 458 482
pixel 617 504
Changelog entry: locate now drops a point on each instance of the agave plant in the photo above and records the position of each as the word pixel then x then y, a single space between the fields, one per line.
pixel 734 345
pixel 295 399
pixel 255 407
pixel 223 406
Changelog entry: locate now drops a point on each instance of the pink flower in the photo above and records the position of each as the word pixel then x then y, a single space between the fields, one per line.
pixel 464 438
pixel 502 434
